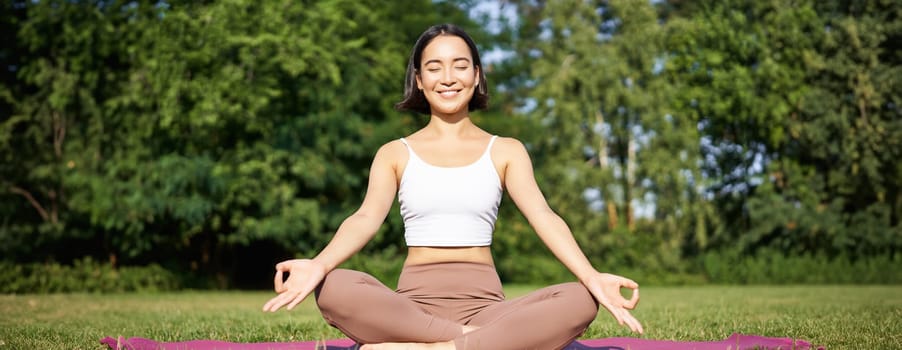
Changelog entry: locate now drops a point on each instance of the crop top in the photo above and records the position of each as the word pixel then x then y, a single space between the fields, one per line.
pixel 449 206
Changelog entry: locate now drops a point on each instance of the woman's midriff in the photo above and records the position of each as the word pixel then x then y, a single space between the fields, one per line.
pixel 431 255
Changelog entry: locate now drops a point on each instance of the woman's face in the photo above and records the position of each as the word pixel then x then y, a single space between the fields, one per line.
pixel 447 75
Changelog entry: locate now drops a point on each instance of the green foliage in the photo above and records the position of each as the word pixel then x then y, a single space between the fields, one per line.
pixel 612 144
pixel 194 128
pixel 744 126
pixel 678 139
pixel 775 267
pixel 384 265
pixel 533 268
pixel 85 275
pixel 799 121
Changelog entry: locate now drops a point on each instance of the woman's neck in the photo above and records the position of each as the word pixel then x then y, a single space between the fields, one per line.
pixel 458 125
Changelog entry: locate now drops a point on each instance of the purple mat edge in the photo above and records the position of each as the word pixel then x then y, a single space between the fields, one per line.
pixel 734 342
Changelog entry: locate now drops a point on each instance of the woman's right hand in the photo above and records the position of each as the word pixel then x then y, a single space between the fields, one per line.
pixel 303 276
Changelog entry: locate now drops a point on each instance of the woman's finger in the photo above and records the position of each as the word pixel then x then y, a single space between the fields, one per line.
pixel 274 303
pixel 294 303
pixel 278 284
pixel 628 283
pixel 297 300
pixel 627 319
pixel 281 300
pixel 614 312
pixel 269 304
pixel 634 300
pixel 303 293
pixel 634 324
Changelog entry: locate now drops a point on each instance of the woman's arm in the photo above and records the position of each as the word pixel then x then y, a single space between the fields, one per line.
pixel 520 182
pixel 352 235
pixel 360 227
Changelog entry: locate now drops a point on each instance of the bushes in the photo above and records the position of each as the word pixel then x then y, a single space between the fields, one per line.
pixel 85 275
pixel 538 269
pixel 659 267
pixel 384 266
pixel 770 267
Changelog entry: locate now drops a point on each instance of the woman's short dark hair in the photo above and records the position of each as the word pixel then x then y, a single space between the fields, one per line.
pixel 414 100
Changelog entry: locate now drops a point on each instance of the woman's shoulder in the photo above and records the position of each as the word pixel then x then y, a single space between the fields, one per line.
pixel 393 149
pixel 508 144
pixel 392 154
pixel 509 149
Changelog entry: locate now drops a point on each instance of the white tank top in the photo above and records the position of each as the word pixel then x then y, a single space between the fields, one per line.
pixel 449 206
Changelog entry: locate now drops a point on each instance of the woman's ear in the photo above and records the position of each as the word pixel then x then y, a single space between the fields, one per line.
pixel 416 74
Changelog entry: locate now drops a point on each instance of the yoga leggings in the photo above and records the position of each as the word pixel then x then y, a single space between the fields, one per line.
pixel 433 301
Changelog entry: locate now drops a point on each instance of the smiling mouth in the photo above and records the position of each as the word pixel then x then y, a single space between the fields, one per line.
pixel 449 93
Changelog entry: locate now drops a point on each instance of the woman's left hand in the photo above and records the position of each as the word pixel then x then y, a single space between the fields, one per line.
pixel 606 287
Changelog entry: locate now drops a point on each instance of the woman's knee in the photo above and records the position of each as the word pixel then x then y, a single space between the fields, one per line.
pixel 335 292
pixel 580 304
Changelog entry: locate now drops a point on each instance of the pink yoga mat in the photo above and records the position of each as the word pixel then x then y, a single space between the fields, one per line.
pixel 734 342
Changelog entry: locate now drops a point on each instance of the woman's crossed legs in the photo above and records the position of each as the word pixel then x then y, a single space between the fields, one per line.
pixel 453 306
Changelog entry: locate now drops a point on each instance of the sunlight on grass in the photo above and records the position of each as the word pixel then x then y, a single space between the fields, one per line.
pixel 834 316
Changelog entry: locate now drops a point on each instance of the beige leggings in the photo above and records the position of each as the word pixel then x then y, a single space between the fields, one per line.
pixel 433 301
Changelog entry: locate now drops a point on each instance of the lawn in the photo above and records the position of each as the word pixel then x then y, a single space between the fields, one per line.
pixel 838 317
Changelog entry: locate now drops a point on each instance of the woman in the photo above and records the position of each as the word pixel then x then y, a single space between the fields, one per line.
pixel 449 178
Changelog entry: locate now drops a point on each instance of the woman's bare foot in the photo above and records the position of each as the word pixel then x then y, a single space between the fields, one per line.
pixel 448 345
pixel 468 329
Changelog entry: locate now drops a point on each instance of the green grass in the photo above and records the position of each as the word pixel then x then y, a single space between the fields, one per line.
pixel 838 317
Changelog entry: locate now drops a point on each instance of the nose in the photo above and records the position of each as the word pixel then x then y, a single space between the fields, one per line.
pixel 447 78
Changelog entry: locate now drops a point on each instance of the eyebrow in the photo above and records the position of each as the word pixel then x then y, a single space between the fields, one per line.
pixel 435 60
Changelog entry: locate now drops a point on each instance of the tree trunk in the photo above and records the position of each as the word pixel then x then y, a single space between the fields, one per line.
pixel 630 182
pixel 609 203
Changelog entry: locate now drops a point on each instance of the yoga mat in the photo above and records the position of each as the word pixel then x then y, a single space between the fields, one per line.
pixel 734 342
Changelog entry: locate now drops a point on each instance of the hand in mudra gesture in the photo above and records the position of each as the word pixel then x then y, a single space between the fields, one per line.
pixel 303 276
pixel 606 287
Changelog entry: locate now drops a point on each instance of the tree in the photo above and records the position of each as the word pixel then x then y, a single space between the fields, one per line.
pixel 185 132
pixel 797 126
pixel 610 142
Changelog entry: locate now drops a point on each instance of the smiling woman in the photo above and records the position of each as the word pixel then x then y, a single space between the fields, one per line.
pixel 449 177
pixel 448 78
pixel 414 96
